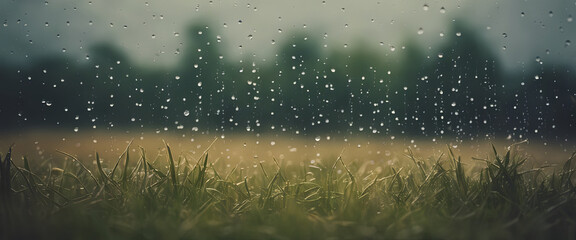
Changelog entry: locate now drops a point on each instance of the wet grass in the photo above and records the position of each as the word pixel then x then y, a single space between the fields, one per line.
pixel 171 196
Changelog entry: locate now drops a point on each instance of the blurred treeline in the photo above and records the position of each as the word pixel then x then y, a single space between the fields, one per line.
pixel 456 89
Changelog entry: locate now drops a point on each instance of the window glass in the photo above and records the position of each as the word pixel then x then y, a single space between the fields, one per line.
pixel 431 71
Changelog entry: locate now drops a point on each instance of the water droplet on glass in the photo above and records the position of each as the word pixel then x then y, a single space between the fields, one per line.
pixel 186 113
pixel 420 31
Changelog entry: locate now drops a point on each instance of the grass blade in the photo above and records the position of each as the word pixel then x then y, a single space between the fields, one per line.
pixel 81 165
pixel 125 173
pixel 111 176
pixel 173 177
pixel 5 187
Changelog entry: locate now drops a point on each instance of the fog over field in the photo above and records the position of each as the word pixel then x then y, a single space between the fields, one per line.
pixel 151 31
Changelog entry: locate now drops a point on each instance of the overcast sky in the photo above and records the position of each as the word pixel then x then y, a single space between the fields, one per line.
pixel 152 31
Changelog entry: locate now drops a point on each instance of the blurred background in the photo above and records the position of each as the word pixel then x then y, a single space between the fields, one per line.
pixel 476 70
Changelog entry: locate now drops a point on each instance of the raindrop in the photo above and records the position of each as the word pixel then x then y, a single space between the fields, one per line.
pixel 425 7
pixel 420 31
pixel 186 113
pixel 318 138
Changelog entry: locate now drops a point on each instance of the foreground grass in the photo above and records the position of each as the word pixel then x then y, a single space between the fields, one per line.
pixel 175 197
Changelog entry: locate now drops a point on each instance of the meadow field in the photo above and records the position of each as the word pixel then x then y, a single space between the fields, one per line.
pixel 97 185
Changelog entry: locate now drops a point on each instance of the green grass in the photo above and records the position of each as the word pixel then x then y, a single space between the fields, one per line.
pixel 179 197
